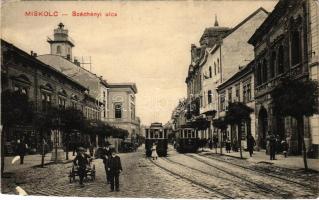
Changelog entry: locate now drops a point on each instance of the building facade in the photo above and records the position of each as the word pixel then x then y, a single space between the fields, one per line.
pixel 286 44
pixel 239 88
pixel 44 86
pixel 222 52
pixel 121 107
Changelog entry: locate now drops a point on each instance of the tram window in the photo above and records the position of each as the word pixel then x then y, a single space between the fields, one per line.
pixel 152 134
pixel 193 134
pixel 196 134
pixel 161 134
pixel 165 133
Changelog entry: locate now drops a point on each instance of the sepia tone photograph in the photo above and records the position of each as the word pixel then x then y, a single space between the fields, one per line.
pixel 163 99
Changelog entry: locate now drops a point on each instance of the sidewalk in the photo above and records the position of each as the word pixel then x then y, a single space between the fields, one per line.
pixel 30 161
pixel 291 162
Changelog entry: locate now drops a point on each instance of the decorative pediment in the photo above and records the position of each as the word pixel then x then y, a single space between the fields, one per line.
pixel 62 92
pixel 22 79
pixel 47 87
pixel 74 97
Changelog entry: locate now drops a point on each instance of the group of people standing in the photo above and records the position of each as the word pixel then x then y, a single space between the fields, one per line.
pixel 111 161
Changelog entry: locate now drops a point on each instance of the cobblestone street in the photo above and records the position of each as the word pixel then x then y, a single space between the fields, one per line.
pixel 177 176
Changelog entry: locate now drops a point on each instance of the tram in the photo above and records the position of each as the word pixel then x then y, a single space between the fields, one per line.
pixel 156 134
pixel 187 140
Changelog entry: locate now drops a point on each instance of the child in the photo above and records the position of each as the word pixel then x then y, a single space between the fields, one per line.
pixel 284 146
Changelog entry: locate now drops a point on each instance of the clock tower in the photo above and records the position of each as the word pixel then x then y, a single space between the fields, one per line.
pixel 61 44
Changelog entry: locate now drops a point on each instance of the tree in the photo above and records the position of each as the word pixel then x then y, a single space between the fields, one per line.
pixel 221 124
pixel 72 120
pixel 237 113
pixel 296 98
pixel 16 109
pixel 44 123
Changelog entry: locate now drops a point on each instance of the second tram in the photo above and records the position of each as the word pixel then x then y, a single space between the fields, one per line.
pixel 187 140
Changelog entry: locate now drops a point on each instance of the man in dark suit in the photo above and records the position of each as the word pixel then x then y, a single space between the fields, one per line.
pixel 107 155
pixel 114 169
pixel 81 160
pixel 21 150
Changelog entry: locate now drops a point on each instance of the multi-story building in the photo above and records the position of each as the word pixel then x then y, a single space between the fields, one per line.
pixel 61 59
pixel 239 88
pixel 286 44
pixel 45 86
pixel 121 107
pixel 221 54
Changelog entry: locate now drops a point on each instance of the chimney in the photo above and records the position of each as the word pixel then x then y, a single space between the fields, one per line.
pixel 31 53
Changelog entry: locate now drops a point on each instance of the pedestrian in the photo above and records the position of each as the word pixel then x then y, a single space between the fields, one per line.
pixel 272 146
pixel 106 156
pixel 114 169
pixel 284 146
pixel 250 144
pixel 81 161
pixel 235 145
pixel 21 150
pixel 215 141
pixel 210 144
pixel 154 152
pixel 91 149
pixel 228 145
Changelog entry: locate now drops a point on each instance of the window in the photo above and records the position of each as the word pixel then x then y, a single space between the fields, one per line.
pixel 209 96
pixel 218 67
pixel 73 104
pixel 118 111
pixel 237 92
pixel 259 81
pixel 280 61
pixel 132 111
pixel 230 95
pixel 61 102
pixel 104 109
pixel 58 49
pixel 264 71
pixel 247 92
pixel 210 72
pixel 46 101
pixel 214 68
pixel 272 65
pixel 295 48
pixel 21 90
pixel 222 102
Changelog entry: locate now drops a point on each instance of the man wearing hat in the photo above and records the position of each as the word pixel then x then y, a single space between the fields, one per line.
pixel 81 160
pixel 114 169
pixel 106 155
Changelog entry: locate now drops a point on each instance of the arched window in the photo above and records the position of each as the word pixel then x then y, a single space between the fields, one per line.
pixel 118 111
pixel 264 71
pixel 58 49
pixel 214 68
pixel 218 70
pixel 272 65
pixel 210 72
pixel 295 48
pixel 280 60
pixel 209 96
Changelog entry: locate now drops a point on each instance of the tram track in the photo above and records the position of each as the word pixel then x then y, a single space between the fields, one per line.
pixel 278 177
pixel 265 189
pixel 200 185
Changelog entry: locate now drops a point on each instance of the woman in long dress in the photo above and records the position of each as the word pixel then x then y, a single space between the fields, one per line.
pixel 154 153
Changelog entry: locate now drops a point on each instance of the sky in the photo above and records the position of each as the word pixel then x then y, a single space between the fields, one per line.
pixel 147 43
